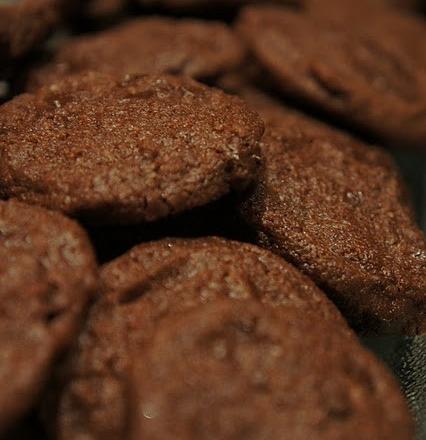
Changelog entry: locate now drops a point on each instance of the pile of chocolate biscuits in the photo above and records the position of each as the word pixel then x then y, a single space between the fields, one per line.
pixel 199 216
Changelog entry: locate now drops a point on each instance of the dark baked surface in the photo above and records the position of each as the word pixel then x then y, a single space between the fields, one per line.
pixel 240 371
pixel 338 210
pixel 126 150
pixel 47 275
pixel 249 338
pixel 196 48
pixel 205 269
pixel 367 69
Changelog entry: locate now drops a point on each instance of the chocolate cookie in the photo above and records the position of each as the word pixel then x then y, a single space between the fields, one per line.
pixel 23 24
pixel 151 292
pixel 128 150
pixel 199 49
pixel 47 275
pixel 230 370
pixel 209 264
pixel 369 72
pixel 276 114
pixel 338 210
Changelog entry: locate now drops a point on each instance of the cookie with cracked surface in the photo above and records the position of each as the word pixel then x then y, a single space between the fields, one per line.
pixel 196 48
pixel 47 275
pixel 368 72
pixel 126 150
pixel 339 211
pixel 163 279
pixel 216 286
pixel 152 269
pixel 217 370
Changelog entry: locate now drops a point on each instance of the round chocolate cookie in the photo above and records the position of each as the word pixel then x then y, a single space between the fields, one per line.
pixel 264 321
pixel 338 210
pixel 146 285
pixel 179 273
pixel 229 370
pixel 23 24
pixel 128 150
pixel 47 275
pixel 367 69
pixel 196 48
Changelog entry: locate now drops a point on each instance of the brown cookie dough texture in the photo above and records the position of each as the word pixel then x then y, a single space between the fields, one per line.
pixel 47 275
pixel 196 48
pixel 128 150
pixel 234 371
pixel 338 210
pixel 215 339
pixel 367 69
pixel 23 24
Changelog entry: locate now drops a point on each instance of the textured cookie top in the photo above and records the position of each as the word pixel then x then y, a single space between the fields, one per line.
pixel 179 273
pixel 196 48
pixel 338 210
pixel 47 275
pixel 234 370
pixel 370 72
pixel 257 331
pixel 127 150
pixel 157 280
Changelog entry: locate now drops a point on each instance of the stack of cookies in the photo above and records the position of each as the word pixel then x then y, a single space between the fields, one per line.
pixel 200 216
